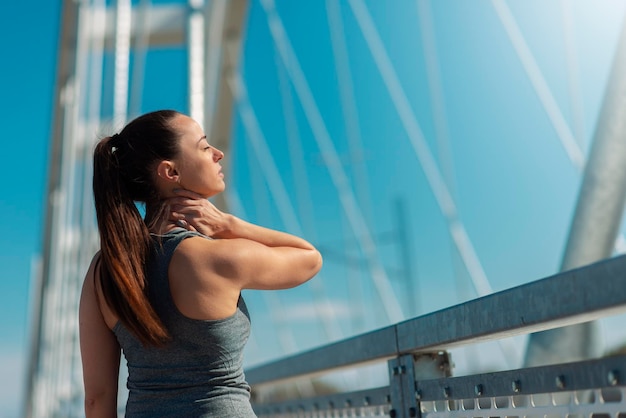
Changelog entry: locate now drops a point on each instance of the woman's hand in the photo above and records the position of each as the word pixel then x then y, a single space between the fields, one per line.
pixel 195 213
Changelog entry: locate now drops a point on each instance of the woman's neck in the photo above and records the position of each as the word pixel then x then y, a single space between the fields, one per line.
pixel 157 217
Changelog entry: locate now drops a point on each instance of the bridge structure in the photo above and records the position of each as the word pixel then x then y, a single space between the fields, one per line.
pixel 419 367
pixel 392 358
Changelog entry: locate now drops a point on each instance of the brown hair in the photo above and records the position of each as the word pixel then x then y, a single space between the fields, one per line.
pixel 123 175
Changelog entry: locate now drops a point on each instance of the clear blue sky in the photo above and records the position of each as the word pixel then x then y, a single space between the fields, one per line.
pixel 514 186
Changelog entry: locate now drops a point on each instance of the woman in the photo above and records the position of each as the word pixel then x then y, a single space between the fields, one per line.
pixel 165 289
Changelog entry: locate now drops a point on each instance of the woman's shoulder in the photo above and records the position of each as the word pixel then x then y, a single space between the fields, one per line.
pixel 226 258
pixel 93 265
pixel 196 244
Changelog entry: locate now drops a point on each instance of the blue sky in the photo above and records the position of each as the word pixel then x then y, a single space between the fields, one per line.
pixel 514 186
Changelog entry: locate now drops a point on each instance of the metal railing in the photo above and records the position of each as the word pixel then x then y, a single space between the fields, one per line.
pixel 418 365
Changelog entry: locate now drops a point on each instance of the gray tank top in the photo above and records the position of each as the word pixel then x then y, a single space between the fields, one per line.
pixel 199 373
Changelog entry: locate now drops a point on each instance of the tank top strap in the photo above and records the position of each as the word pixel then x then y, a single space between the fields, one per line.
pixel 157 268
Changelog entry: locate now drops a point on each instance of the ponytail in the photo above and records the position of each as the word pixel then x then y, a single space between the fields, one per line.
pixel 125 245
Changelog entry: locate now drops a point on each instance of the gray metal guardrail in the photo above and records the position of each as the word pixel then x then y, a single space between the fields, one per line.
pixel 418 365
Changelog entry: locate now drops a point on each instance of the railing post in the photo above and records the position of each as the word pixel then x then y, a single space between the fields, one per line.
pixel 401 387
pixel 403 374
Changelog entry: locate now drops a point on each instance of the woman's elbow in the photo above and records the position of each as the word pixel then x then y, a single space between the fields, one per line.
pixel 320 262
pixel 315 264
pixel 100 406
pixel 91 405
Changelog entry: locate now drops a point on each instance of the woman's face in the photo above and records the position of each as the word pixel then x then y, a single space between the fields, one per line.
pixel 197 164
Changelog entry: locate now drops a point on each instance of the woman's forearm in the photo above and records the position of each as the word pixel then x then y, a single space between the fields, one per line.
pixel 237 228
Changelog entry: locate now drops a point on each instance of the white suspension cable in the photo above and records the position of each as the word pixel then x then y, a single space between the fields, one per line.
pixel 139 53
pixel 323 303
pixel 261 149
pixel 196 61
pixel 437 96
pixel 348 104
pixel 296 155
pixel 355 147
pixel 122 55
pixel 437 99
pixel 571 146
pixel 360 229
pixel 403 107
pixel 573 73
pixel 540 85
pixel 433 72
pixel 96 49
pixel 214 56
pixel 353 131
pixel 416 138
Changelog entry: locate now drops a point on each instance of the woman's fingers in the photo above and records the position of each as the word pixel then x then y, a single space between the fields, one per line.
pixel 176 216
pixel 195 208
pixel 184 201
pixel 197 213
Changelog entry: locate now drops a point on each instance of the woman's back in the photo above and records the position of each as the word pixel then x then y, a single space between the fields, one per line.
pixel 199 372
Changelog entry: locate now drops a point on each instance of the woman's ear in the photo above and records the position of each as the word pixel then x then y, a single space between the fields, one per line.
pixel 166 170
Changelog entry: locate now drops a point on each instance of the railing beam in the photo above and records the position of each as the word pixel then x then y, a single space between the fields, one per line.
pixel 374 346
pixel 566 298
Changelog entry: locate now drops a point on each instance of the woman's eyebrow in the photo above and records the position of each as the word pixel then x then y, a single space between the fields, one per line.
pixel 201 138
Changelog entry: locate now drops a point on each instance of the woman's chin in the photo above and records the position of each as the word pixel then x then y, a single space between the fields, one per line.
pixel 212 194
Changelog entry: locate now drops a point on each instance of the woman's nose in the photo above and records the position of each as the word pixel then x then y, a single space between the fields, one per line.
pixel 217 155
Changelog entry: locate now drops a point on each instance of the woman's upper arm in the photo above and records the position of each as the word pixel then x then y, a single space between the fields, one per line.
pixel 256 266
pixel 100 353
